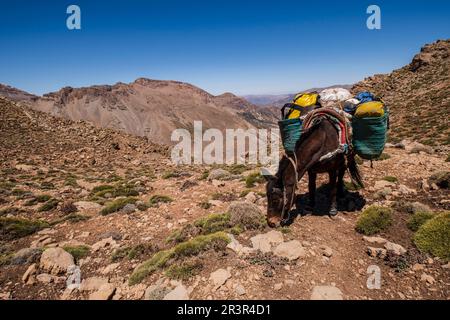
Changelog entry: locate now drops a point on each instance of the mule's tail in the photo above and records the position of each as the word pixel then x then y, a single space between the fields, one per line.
pixel 355 175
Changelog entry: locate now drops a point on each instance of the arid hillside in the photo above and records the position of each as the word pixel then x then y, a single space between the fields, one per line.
pixel 149 108
pixel 418 95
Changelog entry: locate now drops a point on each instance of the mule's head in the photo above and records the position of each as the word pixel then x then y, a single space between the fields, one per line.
pixel 275 201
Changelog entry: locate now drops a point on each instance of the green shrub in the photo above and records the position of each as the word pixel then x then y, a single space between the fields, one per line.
pixel 433 236
pixel 204 175
pixel 350 186
pixel 170 174
pixel 165 258
pixel 390 179
pixel 373 220
pixel 47 185
pixel 49 205
pixel 213 223
pixel 418 219
pixel 184 271
pixel 116 205
pixel 38 199
pixel 205 205
pixel 78 252
pixel 120 190
pixel 252 179
pixel 157 199
pixel 133 252
pixel 14 228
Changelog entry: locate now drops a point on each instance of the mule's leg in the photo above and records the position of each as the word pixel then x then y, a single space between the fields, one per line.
pixel 312 189
pixel 340 183
pixel 333 190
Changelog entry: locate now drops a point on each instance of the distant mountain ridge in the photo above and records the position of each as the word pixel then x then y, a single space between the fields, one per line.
pixel 278 100
pixel 146 107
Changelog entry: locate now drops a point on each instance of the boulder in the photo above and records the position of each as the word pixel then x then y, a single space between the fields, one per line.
pixel 265 242
pixel 291 250
pixel 394 248
pixel 26 256
pixel 218 174
pixel 156 292
pixel 56 261
pixel 179 293
pixel 219 277
pixel 93 284
pixel 105 292
pixel 87 206
pixel 326 293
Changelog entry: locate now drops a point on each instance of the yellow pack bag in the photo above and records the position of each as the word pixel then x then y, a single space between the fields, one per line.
pixel 371 109
pixel 302 100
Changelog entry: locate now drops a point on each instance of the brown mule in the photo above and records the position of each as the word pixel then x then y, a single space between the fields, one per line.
pixel 318 141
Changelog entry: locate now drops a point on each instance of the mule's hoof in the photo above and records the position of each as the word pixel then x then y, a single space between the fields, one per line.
pixel 333 212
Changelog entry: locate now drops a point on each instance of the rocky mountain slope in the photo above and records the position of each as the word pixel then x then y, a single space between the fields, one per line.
pixel 150 108
pixel 90 213
pixel 418 95
pixel 15 94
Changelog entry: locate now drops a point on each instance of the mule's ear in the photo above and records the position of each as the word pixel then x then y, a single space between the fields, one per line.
pixel 267 175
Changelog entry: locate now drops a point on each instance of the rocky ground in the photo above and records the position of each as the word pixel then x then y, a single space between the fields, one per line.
pixel 116 220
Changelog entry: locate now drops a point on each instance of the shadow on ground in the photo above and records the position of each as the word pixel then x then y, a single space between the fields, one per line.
pixel 349 202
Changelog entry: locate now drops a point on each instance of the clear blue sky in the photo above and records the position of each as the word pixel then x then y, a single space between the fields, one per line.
pixel 244 47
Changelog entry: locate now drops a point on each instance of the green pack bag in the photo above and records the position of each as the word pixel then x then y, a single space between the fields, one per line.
pixel 369 135
pixel 290 130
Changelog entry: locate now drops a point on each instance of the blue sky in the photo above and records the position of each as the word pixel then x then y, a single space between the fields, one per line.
pixel 244 47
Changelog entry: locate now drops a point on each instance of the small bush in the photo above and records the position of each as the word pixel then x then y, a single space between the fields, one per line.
pixel 157 199
pixel 47 185
pixel 373 220
pixel 49 205
pixel 204 175
pixel 433 236
pixel 116 205
pixel 14 228
pixel 162 259
pixel 390 179
pixel 184 271
pixel 78 252
pixel 252 179
pixel 213 223
pixel 133 252
pixel 246 215
pixel 205 205
pixel 418 219
pixel 350 186
pixel 68 207
pixel 120 190
pixel 170 174
pixel 38 199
